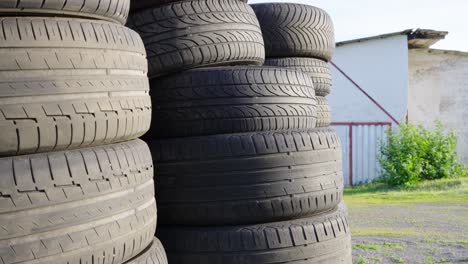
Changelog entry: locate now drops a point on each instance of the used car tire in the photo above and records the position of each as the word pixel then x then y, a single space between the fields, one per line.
pixel 324 112
pixel 191 34
pixel 79 206
pixel 296 30
pixel 112 10
pixel 220 100
pixel 318 70
pixel 324 239
pixel 247 178
pixel 154 254
pixel 70 83
pixel 144 4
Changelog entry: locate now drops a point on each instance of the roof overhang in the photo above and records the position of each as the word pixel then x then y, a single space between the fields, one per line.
pixel 417 38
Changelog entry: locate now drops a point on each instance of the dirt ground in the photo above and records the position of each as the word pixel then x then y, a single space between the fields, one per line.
pixel 425 233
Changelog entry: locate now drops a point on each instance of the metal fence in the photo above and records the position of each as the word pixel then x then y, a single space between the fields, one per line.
pixel 361 142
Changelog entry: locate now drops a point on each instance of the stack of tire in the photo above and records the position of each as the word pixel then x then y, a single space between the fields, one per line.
pixel 244 173
pixel 76 185
pixel 300 37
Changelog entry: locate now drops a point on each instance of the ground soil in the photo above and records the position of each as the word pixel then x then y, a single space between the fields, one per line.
pixel 410 233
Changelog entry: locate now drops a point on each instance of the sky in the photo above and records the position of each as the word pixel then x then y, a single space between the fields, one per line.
pixel 364 18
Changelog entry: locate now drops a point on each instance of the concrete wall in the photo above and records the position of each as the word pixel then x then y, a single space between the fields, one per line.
pixel 439 91
pixel 381 68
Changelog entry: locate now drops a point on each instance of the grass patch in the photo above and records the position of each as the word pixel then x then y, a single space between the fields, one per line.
pixel 361 260
pixel 376 259
pixel 367 246
pixel 385 232
pixel 445 190
pixel 397 259
pixel 377 246
pixel 463 243
pixel 430 260
pixel 393 245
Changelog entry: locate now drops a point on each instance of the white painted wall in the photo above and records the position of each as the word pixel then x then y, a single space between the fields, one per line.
pixel 439 91
pixel 381 68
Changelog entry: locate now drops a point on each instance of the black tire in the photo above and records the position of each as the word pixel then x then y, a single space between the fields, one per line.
pixel 154 254
pixel 324 239
pixel 111 10
pixel 295 30
pixel 324 112
pixel 247 178
pixel 224 100
pixel 319 70
pixel 70 83
pixel 190 34
pixel 144 4
pixel 81 206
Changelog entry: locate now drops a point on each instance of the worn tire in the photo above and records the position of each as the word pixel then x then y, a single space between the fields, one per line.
pixel 318 70
pixel 247 178
pixel 70 83
pixel 154 254
pixel 295 30
pixel 324 112
pixel 143 4
pixel 224 100
pixel 321 239
pixel 92 205
pixel 111 10
pixel 191 34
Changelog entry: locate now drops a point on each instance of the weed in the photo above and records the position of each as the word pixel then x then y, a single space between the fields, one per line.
pixel 367 246
pixel 361 260
pixel 429 260
pixel 393 245
pixel 397 259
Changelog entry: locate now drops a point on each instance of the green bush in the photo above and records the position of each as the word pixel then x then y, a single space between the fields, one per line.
pixel 412 154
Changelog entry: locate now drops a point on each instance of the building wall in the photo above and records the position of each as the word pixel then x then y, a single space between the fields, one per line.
pixel 380 67
pixel 439 91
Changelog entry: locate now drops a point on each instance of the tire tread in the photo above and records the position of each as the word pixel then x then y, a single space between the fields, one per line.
pixel 296 30
pixel 191 34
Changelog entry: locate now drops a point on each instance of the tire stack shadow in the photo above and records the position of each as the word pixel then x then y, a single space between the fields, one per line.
pixel 247 169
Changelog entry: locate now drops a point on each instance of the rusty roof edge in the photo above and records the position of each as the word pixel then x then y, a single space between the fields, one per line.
pixel 412 34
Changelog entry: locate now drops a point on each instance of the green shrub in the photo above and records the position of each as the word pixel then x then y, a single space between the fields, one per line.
pixel 412 154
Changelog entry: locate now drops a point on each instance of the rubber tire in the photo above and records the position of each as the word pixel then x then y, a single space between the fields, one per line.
pixel 247 178
pixel 202 33
pixel 222 100
pixel 324 112
pixel 90 205
pixel 70 83
pixel 318 70
pixel 111 10
pixel 154 254
pixel 144 4
pixel 324 239
pixel 296 30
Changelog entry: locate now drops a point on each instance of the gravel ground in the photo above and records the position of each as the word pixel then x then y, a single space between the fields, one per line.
pixel 416 233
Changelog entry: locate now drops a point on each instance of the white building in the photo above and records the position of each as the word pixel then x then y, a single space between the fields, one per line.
pixel 383 80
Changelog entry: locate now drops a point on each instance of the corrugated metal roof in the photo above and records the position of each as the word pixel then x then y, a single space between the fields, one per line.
pixel 417 38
